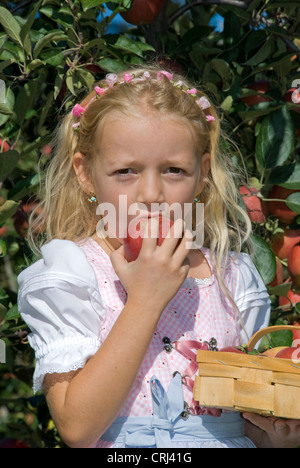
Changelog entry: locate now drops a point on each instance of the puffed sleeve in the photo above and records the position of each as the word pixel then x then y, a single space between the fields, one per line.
pixel 251 297
pixel 59 299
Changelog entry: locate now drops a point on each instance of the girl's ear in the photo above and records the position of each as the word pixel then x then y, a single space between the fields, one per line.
pixel 204 170
pixel 82 174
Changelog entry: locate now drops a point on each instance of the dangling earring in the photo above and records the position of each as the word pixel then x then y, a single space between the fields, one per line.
pixel 196 200
pixel 92 198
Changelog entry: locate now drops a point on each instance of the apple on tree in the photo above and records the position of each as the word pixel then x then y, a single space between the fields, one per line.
pixel 261 88
pixel 283 242
pixel 280 208
pixel 4 146
pixel 294 264
pixel 292 298
pixel 143 11
pixel 256 209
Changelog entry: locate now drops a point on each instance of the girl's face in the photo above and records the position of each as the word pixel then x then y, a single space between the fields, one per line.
pixel 149 159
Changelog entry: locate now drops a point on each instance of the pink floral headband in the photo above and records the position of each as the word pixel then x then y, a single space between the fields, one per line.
pixel 113 80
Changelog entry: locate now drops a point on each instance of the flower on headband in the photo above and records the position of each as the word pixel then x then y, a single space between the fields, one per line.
pixel 98 90
pixel 203 102
pixel 111 79
pixel 179 84
pixel 77 110
pixel 167 74
pixel 128 77
pixel 76 125
pixel 146 75
pixel 210 118
pixel 192 91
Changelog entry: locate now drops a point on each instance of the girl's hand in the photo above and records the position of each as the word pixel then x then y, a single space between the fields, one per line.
pixel 271 432
pixel 158 272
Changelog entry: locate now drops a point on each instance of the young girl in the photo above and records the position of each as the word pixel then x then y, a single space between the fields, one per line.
pixel 115 341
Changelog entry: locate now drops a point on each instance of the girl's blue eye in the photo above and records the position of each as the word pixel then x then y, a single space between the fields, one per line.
pixel 174 170
pixel 124 171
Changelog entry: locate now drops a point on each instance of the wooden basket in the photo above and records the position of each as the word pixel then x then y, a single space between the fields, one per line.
pixel 247 382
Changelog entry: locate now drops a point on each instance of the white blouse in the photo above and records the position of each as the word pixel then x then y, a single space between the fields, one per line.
pixel 60 300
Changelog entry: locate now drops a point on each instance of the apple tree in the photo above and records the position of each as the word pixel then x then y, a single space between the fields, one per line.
pixel 243 53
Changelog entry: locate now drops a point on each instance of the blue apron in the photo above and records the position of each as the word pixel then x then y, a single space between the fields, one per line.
pixel 169 424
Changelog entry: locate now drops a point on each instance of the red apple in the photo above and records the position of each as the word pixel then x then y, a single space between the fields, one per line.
pixel 4 146
pixel 261 87
pixel 278 208
pixel 94 68
pixel 134 239
pixel 283 242
pixel 12 443
pixel 290 353
pixel 292 298
pixel 143 11
pixel 293 96
pixel 272 352
pixel 254 206
pixel 294 264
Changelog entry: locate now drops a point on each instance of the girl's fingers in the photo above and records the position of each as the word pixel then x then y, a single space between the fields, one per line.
pixel 174 237
pixel 150 235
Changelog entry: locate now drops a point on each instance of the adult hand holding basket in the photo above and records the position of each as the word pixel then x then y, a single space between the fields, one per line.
pixel 249 382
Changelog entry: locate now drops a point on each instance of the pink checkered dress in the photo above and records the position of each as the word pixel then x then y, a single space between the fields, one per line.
pixel 199 311
pixel 71 298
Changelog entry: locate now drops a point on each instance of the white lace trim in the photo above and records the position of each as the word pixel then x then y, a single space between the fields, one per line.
pixel 38 381
pixel 199 281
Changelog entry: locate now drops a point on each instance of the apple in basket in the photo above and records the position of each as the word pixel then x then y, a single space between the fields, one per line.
pixel 292 353
pixel 135 233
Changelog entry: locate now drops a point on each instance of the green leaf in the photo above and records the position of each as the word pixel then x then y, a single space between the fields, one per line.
pixel 275 140
pixel 287 176
pixel 13 313
pixel 293 202
pixel 26 98
pixel 86 77
pixel 8 106
pixel 222 69
pixel 10 24
pixel 52 56
pixel 280 289
pixel 87 4
pixel 45 40
pixel 7 210
pixel 61 16
pixel 112 65
pixel 126 44
pixel 282 338
pixel 8 162
pixel 3 248
pixel 263 53
pixel 25 29
pixel 264 259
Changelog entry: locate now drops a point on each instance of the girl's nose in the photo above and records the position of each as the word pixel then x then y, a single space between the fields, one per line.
pixel 150 189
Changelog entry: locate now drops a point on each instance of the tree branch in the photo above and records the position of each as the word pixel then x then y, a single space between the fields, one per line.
pixel 181 10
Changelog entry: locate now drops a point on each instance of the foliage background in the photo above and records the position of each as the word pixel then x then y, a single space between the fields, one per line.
pixel 52 51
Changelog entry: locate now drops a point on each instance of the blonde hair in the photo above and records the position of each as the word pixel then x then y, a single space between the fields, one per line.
pixel 68 215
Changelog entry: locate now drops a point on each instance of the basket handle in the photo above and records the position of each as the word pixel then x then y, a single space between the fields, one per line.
pixel 265 331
